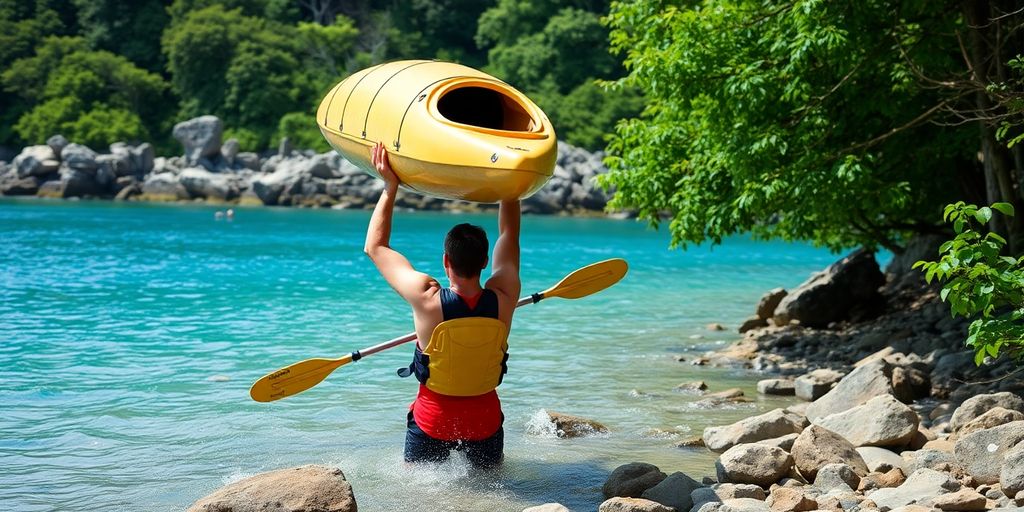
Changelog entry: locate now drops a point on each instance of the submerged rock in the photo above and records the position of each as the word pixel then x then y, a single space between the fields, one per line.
pixel 567 425
pixel 301 489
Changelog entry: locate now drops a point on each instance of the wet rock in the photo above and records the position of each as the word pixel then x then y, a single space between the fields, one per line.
pixel 922 486
pixel 880 459
pixel 727 394
pixel 568 426
pixel 769 301
pixel 201 138
pixel 890 423
pixel 781 387
pixel 753 464
pixel 691 442
pixel 674 491
pixel 751 323
pixel 836 476
pixel 991 418
pixel 1012 475
pixel 816 384
pixel 964 499
pixel 715 327
pixel 694 386
pixel 859 386
pixel 301 489
pixel 982 452
pixel 631 480
pixel 978 405
pixel 769 425
pixel 830 295
pixel 817 447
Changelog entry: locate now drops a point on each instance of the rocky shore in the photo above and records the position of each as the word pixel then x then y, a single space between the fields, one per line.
pixel 216 171
pixel 893 414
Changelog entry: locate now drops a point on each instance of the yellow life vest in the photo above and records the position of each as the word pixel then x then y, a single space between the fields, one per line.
pixel 466 356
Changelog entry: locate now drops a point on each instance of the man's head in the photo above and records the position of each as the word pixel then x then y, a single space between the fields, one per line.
pixel 465 250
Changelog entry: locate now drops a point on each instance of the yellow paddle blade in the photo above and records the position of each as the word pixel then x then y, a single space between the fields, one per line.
pixel 589 279
pixel 294 378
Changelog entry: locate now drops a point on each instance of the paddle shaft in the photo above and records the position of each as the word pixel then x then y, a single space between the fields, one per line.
pixel 369 351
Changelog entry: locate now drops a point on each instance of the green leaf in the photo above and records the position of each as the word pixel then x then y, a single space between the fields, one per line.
pixel 1004 208
pixel 983 215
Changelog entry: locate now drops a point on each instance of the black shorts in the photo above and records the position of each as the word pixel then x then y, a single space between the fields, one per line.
pixel 420 447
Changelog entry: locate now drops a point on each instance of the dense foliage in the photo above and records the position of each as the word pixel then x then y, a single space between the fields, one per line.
pixel 979 280
pixel 106 70
pixel 843 123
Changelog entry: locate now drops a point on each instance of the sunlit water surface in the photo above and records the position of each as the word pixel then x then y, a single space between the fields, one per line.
pixel 130 335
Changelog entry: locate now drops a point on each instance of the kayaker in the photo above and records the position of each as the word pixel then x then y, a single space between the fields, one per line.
pixel 457 406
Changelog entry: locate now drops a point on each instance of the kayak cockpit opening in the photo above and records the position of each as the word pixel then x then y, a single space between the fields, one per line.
pixel 486 108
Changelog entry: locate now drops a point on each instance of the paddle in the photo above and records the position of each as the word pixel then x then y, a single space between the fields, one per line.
pixel 303 375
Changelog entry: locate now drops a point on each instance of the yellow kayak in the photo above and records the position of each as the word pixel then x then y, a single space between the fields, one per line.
pixel 451 131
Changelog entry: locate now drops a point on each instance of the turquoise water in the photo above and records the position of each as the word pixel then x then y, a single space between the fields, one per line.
pixel 131 333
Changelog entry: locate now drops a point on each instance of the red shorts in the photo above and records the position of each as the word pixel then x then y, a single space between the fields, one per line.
pixel 457 418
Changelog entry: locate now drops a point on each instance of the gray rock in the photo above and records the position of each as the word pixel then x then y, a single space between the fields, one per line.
pixel 144 158
pixel 111 167
pixel 674 491
pixel 79 158
pixel 1012 475
pixel 164 187
pixel 743 505
pixel 301 489
pixel 993 418
pixel 859 386
pixel 751 323
pixel 230 150
pixel 829 296
pixel 782 387
pixel 929 459
pixel 12 185
pixel 631 480
pixel 73 183
pixel 982 452
pixel 817 447
pixel 753 464
pixel 632 505
pixel 57 143
pixel 547 507
pixel 703 496
pixel 980 404
pixel 285 147
pixel 36 161
pixel 201 138
pixel 733 491
pixel 816 384
pixel 202 183
pixel 785 442
pixel 891 423
pixel 880 459
pixel 769 301
pixel 769 425
pixel 836 476
pixel 923 485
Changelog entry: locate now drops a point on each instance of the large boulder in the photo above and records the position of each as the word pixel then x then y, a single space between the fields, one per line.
pixel 816 384
pixel 57 143
pixel 859 386
pixel 200 136
pixel 78 157
pixel 880 459
pixel 631 480
pixel 769 425
pixel 781 387
pixel 756 464
pixel 769 301
pixel 992 418
pixel 202 183
pixel 302 489
pixel 1011 477
pixel 980 404
pixel 163 187
pixel 891 423
pixel 923 485
pixel 72 183
pixel 673 491
pixel 36 161
pixel 818 446
pixel 12 185
pixel 831 294
pixel 982 452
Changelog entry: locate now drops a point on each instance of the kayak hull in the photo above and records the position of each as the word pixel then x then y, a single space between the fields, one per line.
pixel 451 131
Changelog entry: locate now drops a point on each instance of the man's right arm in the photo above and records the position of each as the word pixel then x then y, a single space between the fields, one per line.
pixel 505 263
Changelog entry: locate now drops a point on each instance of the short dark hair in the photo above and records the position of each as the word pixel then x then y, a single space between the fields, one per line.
pixel 466 247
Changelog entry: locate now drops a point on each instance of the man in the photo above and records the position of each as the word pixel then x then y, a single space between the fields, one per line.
pixel 455 408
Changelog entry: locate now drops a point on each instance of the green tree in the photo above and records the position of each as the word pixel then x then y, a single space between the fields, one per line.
pixel 842 123
pixel 130 29
pixel 93 97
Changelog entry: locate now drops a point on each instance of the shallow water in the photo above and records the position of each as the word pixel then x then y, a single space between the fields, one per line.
pixel 131 334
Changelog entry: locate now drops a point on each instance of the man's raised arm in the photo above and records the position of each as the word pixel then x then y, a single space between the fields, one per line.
pixel 391 264
pixel 505 264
